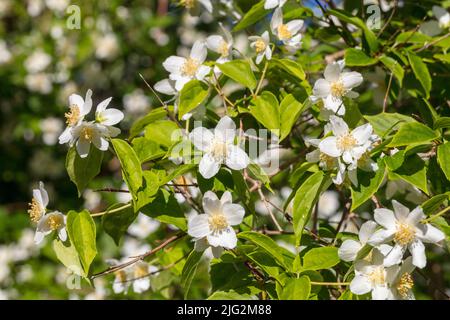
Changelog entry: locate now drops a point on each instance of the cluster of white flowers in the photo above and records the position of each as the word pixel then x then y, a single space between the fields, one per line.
pixel 383 272
pixel 47 222
pixel 84 133
pixel 137 276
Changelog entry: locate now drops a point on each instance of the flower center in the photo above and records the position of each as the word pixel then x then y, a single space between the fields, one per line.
pixel 260 46
pixel 219 150
pixel 73 115
pixel 217 222
pixel 54 222
pixel 140 271
pixel 35 211
pixel 121 276
pixel 188 4
pixel 327 160
pixel 405 234
pixel 405 284
pixel 377 276
pixel 190 67
pixel 337 89
pixel 346 142
pixel 283 32
pixel 223 49
pixel 87 133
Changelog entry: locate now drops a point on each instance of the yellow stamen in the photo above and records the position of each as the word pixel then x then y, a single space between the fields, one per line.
pixel 141 270
pixel 327 160
pixel 190 67
pixel 260 46
pixel 337 89
pixel 217 222
pixel 73 115
pixel 378 276
pixel 121 276
pixel 54 222
pixel 223 49
pixel 219 150
pixel 405 234
pixel 35 210
pixel 188 4
pixel 283 32
pixel 87 133
pixel 346 142
pixel 405 284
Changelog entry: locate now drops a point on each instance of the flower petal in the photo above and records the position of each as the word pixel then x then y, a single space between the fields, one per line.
pixel 111 116
pixel 332 72
pixel 417 250
pixel 351 79
pixel 208 166
pixel 103 105
pixel 234 213
pixel 349 250
pixel 201 138
pixel 83 147
pixel 415 216
pixel 329 147
pixel 198 51
pixel 236 159
pixel 395 255
pixel 338 126
pixel 380 293
pixel 431 234
pixel 362 133
pixel 385 218
pixel 198 226
pixel 360 285
pixel 381 236
pixel 225 129
pixel 321 88
pixel 173 64
pixel 366 231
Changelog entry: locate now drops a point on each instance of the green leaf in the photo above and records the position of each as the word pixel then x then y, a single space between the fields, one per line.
pixel 443 156
pixel 433 204
pixel 189 269
pixel 290 110
pixel 421 72
pixel 147 150
pixel 265 109
pixel 229 295
pixel 304 201
pixel 442 122
pixel 320 258
pixel 368 184
pixel 256 13
pixel 290 66
pixel 82 233
pixel 356 57
pixel 166 209
pixel 152 116
pixel 150 187
pixel 414 171
pixel 384 123
pixel 266 243
pixel 163 132
pixel 131 166
pixel 82 170
pixel 240 71
pixel 394 66
pixel 191 96
pixel 257 172
pixel 296 289
pixel 116 224
pixel 68 255
pixel 413 133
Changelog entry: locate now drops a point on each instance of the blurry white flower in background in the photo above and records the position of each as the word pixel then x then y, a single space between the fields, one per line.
pixel 123 197
pixel 58 6
pixel 107 47
pixel 435 27
pixel 5 6
pixel 39 82
pixel 37 61
pixel 51 129
pixel 100 292
pixel 143 226
pixel 136 102
pixel 5 54
pixel 35 7
pixel 270 4
pixel 328 204
pixel 161 38
pixel 92 199
pixel 133 247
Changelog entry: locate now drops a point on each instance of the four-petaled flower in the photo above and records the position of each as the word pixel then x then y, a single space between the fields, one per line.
pixel 261 44
pixel 286 33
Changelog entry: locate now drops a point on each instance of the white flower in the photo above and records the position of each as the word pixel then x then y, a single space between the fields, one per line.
pixel 287 33
pixel 37 61
pixel 218 148
pixel 192 4
pixel 261 44
pixel 89 132
pixel 407 231
pixel 372 276
pixel 270 4
pixel 5 54
pixel 402 283
pixel 136 102
pixel 216 223
pixel 350 145
pixel 78 109
pixel 107 117
pixel 107 47
pixel 443 17
pixel 221 45
pixel 39 82
pixel 350 248
pixel 53 221
pixel 182 70
pixel 202 244
pixel 335 86
pixel 143 226
pixel 120 284
pixel 141 276
pixel 38 204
